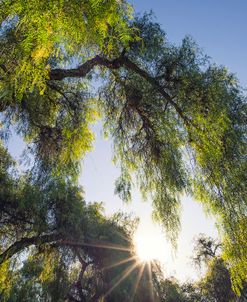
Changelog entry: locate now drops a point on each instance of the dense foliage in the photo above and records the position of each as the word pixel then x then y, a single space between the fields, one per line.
pixel 177 121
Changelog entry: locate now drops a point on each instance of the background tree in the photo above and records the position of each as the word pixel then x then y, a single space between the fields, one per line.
pixel 205 250
pixel 216 285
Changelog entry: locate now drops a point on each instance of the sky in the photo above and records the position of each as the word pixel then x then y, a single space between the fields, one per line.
pixel 218 26
pixel 220 29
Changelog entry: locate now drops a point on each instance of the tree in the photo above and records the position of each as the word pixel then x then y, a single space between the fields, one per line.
pixel 68 250
pixel 205 250
pixel 216 285
pixel 169 290
pixel 178 122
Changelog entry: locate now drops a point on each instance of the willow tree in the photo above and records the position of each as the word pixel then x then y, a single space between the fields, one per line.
pixel 177 121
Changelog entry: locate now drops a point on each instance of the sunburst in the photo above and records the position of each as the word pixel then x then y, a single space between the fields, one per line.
pixel 149 247
pixel 144 253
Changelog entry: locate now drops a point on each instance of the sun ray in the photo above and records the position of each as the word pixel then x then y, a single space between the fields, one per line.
pixel 137 281
pixel 107 246
pixel 124 275
pixel 150 281
pixel 121 262
pixel 97 245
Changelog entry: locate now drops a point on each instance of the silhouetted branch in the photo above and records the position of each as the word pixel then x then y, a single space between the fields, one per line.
pixel 122 61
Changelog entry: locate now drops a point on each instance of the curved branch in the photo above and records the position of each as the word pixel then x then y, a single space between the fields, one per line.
pixel 132 66
pixel 56 239
pixel 85 68
pixel 121 61
pixel 20 245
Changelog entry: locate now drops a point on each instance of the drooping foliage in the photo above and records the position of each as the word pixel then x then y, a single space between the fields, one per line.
pixel 177 121
pixel 181 124
pixel 37 36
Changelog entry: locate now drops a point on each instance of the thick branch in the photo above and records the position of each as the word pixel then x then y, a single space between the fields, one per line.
pixel 84 69
pixel 20 245
pixel 84 266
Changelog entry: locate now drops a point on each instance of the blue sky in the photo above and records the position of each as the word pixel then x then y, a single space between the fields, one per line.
pixel 220 28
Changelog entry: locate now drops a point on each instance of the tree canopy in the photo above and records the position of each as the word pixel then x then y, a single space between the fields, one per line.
pixel 177 122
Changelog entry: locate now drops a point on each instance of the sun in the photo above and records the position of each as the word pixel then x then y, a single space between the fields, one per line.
pixel 149 247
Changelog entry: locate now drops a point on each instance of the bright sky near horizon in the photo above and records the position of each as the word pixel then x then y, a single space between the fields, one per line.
pixel 220 28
